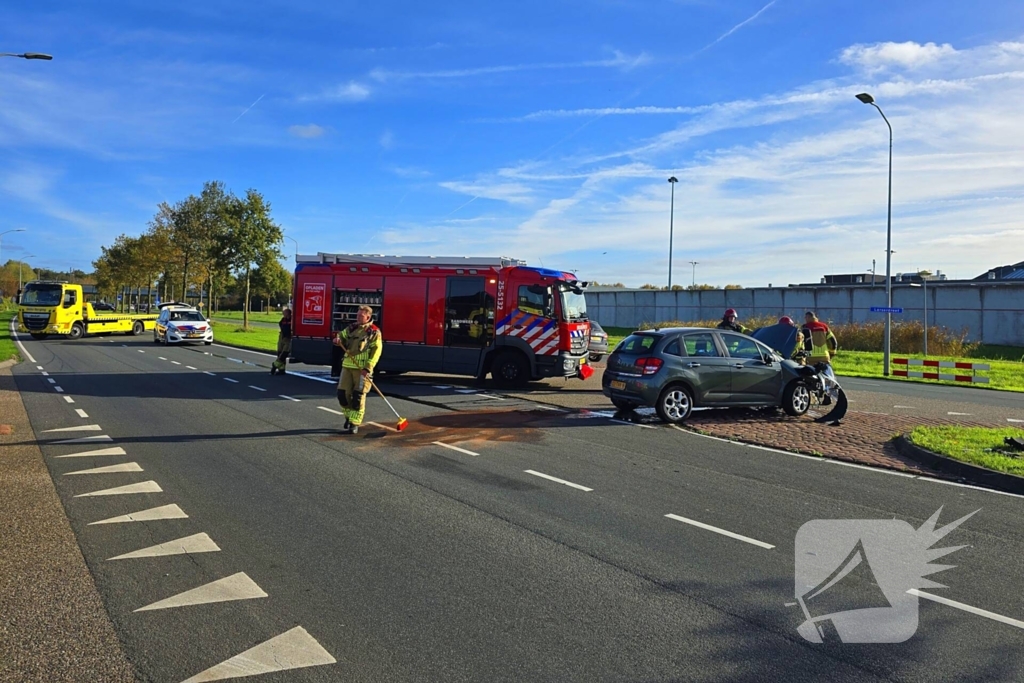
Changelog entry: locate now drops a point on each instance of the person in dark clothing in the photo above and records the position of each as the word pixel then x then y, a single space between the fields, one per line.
pixel 729 323
pixel 284 343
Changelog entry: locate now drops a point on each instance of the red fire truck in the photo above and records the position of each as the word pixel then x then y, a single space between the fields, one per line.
pixel 452 315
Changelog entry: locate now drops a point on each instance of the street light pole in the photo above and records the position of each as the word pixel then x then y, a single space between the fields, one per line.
pixel 671 218
pixel 21 263
pixel 4 233
pixel 27 55
pixel 296 247
pixel 693 282
pixel 868 99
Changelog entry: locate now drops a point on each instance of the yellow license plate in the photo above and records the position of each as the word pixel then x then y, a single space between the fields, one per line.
pixel 583 361
pixel 618 385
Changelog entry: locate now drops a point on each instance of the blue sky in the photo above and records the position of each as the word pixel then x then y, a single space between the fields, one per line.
pixel 539 130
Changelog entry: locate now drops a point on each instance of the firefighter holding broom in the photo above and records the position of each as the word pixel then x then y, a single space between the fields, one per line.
pixel 362 344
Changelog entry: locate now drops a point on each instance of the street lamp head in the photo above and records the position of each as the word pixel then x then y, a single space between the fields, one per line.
pixel 673 179
pixel 37 55
pixel 866 98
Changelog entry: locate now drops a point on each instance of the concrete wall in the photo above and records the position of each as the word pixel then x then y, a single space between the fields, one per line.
pixel 992 313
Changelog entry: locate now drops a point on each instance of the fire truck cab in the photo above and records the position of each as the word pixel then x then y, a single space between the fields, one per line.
pixel 451 315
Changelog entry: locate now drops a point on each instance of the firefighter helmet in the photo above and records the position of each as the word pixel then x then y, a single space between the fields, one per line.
pixel 785 320
pixel 730 313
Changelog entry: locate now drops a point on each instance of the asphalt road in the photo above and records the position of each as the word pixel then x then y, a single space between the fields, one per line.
pixel 492 540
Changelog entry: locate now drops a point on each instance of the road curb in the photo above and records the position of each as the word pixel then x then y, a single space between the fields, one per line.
pixel 973 474
pixel 8 363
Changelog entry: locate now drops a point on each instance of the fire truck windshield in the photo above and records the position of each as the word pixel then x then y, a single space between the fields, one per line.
pixel 574 304
pixel 41 295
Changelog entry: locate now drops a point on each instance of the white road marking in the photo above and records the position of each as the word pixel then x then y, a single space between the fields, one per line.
pixel 233 381
pixel 81 428
pixel 45 374
pixel 465 391
pixel 161 358
pixel 85 439
pixel 541 406
pixel 315 379
pixel 189 545
pixel 82 413
pixel 454 448
pixel 378 424
pixel 235 587
pixel 633 424
pixel 39 367
pixel 907 407
pixel 1010 419
pixel 297 400
pixel 207 372
pixel 708 527
pixel 331 410
pixel 117 450
pixel 58 390
pixel 496 398
pixel 952 413
pixel 236 360
pixel 174 362
pixel 139 350
pixel 51 380
pixel 17 340
pixel 256 388
pixel 293 649
pixel 441 386
pixel 967 608
pixel 69 399
pixel 142 487
pixel 556 479
pixel 163 512
pixel 109 469
pixel 190 367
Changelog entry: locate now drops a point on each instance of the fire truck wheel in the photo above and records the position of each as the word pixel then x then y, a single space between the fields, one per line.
pixel 510 369
pixel 138 328
pixel 77 331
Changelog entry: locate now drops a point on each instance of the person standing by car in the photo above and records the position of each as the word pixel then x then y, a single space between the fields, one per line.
pixel 729 322
pixel 820 344
pixel 798 350
pixel 362 345
pixel 284 343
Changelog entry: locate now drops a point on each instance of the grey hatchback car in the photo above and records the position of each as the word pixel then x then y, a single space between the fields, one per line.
pixel 677 369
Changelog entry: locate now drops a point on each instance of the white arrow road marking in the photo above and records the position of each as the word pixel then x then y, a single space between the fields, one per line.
pixel 235 587
pixel 80 428
pixel 730 534
pixel 293 649
pixel 109 469
pixel 117 450
pixel 85 439
pixel 557 480
pixel 189 545
pixel 454 448
pixel 968 608
pixel 82 413
pixel 69 399
pixel 150 515
pixel 141 487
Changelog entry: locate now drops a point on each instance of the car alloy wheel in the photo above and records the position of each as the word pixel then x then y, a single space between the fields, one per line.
pixel 797 399
pixel 674 404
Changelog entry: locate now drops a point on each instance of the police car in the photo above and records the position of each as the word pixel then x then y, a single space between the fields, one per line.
pixel 179 324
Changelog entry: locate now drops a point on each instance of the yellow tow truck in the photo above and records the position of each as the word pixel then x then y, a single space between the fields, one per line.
pixel 52 307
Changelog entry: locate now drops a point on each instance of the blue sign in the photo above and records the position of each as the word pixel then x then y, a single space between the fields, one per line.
pixel 883 309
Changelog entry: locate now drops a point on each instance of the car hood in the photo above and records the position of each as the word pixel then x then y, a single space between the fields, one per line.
pixel 780 337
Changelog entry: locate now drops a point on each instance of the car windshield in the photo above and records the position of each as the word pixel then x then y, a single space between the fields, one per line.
pixel 41 295
pixel 574 304
pixel 187 316
pixel 638 343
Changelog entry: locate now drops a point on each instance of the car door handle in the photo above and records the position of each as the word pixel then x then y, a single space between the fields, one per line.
pixel 739 366
pixel 693 365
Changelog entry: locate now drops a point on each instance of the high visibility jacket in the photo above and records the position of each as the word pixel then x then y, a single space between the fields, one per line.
pixel 819 342
pixel 362 345
pixel 735 327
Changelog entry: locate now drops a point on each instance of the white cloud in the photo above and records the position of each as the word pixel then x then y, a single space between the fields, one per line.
pixel 352 91
pixel 618 60
pixel 909 55
pixel 513 193
pixel 387 140
pixel 308 131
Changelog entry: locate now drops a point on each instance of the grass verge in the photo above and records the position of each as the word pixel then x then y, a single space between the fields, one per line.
pixel 261 339
pixel 8 349
pixel 980 446
pixel 271 317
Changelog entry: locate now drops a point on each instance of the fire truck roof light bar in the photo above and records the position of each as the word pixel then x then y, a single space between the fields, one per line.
pixel 383 260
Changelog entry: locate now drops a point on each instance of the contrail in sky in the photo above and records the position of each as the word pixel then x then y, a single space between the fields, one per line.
pixel 251 106
pixel 738 26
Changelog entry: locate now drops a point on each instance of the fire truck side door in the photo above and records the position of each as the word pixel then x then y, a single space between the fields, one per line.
pixel 468 309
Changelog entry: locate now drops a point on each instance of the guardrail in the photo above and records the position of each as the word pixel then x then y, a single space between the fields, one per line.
pixel 958 365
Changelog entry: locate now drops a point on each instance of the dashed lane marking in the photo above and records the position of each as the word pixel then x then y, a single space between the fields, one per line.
pixel 708 527
pixel 109 469
pixel 190 367
pixel 85 439
pixel 952 413
pixel 454 448
pixel 235 587
pixel 69 399
pixel 161 358
pixel 51 380
pixel 45 374
pixel 39 367
pixel 58 390
pixel 293 649
pixel 207 372
pixel 117 450
pixel 174 362
pixel 297 400
pixel 80 428
pixel 378 424
pixel 907 407
pixel 252 386
pixel 82 413
pixel 1012 419
pixel 151 515
pixel 139 350
pixel 557 480
pixel 968 608
pixel 189 545
pixel 233 381
pixel 142 487
pixel 331 410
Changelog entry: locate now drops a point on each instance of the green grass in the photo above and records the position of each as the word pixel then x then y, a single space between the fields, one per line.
pixel 271 317
pixel 8 349
pixel 976 445
pixel 259 338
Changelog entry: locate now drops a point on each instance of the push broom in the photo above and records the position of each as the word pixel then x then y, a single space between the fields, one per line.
pixel 402 422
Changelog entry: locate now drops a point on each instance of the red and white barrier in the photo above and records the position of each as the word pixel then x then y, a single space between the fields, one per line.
pixel 959 365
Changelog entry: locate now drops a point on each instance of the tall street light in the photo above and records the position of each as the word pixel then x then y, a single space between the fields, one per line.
pixel 27 55
pixel 693 282
pixel 21 262
pixel 671 217
pixel 868 99
pixel 296 247
pixel 4 233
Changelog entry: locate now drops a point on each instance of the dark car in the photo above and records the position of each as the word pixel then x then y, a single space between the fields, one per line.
pixel 677 369
pixel 103 306
pixel 598 342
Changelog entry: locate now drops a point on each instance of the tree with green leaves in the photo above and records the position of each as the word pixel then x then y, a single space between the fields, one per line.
pixel 250 240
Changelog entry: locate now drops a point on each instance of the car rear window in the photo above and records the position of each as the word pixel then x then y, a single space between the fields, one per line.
pixel 638 343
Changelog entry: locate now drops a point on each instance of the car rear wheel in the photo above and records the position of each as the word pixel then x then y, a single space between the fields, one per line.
pixel 596 357
pixel 675 404
pixel 77 331
pixel 796 399
pixel 510 369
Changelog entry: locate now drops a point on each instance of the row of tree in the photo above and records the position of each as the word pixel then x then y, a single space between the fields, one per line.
pixel 205 243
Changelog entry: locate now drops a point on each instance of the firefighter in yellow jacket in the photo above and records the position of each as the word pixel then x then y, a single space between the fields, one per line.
pixel 362 344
